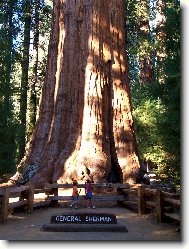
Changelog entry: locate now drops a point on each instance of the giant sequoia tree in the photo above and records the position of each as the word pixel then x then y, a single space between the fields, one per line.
pixel 85 127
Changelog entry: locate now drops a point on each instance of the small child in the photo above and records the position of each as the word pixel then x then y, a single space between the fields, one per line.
pixel 75 195
pixel 89 194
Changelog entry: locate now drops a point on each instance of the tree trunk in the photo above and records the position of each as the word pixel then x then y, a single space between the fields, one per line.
pixel 145 57
pixel 24 78
pixel 85 127
pixel 161 41
pixel 33 93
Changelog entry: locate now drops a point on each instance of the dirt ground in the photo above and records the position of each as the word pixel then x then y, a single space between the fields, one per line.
pixel 22 226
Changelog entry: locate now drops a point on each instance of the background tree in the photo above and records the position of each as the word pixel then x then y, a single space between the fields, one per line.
pixel 11 44
pixel 34 80
pixel 40 32
pixel 24 77
pixel 156 107
pixel 7 60
pixel 145 44
pixel 161 52
pixel 170 94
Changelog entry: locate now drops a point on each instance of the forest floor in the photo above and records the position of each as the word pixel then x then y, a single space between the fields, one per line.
pixel 23 226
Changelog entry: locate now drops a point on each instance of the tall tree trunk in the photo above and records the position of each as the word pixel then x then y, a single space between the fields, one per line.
pixel 85 127
pixel 145 56
pixel 24 78
pixel 161 41
pixel 33 94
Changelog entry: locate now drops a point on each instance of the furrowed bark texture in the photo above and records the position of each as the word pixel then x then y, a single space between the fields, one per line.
pixel 85 127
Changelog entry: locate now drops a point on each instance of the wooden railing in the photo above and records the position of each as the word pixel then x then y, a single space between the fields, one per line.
pixel 162 203
pixel 139 197
pixel 24 194
pixel 100 192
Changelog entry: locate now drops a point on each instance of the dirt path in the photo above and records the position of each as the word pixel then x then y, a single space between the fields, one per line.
pixel 24 226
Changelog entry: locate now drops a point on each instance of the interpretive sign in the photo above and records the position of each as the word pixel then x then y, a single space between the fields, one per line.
pixel 85 218
pixel 84 222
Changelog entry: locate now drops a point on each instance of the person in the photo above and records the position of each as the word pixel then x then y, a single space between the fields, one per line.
pixel 75 195
pixel 89 194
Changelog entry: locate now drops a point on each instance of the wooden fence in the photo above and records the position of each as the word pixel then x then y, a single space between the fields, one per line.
pixel 139 197
pixel 144 200
pixel 25 195
pixel 102 192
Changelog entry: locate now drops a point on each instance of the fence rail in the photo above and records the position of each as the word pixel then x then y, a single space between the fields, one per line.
pixel 140 197
pixel 159 201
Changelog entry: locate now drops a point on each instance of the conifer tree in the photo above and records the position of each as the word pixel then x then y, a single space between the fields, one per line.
pixel 85 126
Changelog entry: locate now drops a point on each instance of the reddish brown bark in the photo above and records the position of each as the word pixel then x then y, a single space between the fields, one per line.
pixel 85 127
pixel 145 61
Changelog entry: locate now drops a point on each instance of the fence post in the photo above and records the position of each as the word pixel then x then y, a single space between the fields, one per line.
pixel 4 205
pixel 141 201
pixel 30 198
pixel 159 206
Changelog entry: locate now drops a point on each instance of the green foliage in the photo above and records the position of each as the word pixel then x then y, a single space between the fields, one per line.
pixel 139 40
pixel 156 107
pixel 7 143
pixel 170 127
pixel 11 45
pixel 7 59
pixel 147 113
